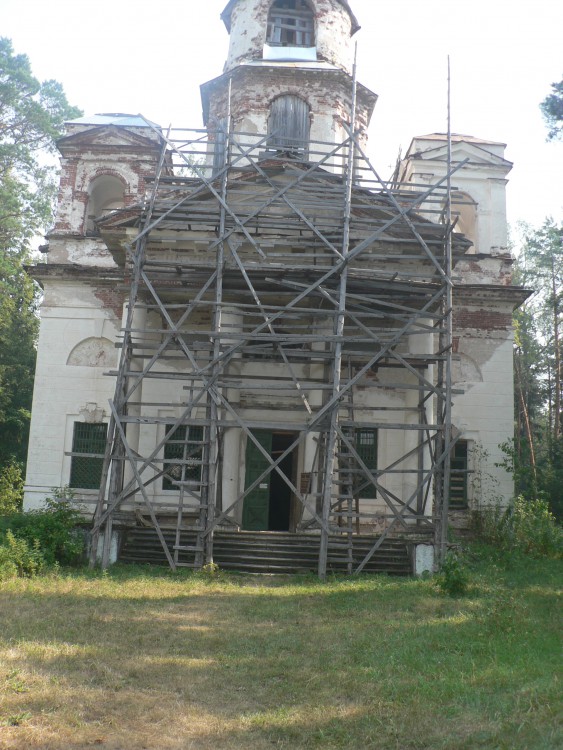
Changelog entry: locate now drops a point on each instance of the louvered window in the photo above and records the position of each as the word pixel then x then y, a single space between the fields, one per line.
pixel 88 448
pixel 291 24
pixel 289 124
pixel 183 458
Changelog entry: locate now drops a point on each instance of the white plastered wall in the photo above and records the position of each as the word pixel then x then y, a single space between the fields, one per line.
pixel 485 413
pixel 483 179
pixel 70 314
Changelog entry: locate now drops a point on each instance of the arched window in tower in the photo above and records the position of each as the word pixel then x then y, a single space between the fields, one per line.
pixel 288 125
pixel 291 24
pixel 464 209
pixel 106 194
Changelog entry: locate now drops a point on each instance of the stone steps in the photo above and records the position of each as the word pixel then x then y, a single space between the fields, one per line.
pixel 268 552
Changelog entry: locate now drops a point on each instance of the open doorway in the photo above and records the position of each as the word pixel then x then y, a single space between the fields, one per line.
pixel 268 507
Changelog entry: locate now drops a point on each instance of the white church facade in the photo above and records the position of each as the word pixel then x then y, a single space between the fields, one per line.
pixel 276 338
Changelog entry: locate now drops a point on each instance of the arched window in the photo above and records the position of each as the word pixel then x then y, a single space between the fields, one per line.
pixel 464 209
pixel 289 124
pixel 106 194
pixel 291 24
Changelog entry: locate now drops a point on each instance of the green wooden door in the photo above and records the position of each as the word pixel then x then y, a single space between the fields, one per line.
pixel 255 513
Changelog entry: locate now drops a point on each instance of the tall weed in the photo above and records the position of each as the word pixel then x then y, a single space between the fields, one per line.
pixel 526 526
pixel 19 558
pixel 453 578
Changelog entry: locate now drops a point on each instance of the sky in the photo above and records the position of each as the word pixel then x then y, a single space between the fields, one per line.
pixel 144 57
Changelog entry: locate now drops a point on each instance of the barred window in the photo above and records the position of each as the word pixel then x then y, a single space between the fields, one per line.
pixel 366 446
pixel 183 454
pixel 291 24
pixel 88 448
pixel 458 475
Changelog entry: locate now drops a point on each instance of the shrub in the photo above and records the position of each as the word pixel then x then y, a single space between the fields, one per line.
pixel 526 525
pixel 453 578
pixel 53 528
pixel 19 558
pixel 11 489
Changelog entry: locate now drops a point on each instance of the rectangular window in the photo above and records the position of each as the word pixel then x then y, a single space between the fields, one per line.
pixel 89 440
pixel 183 454
pixel 458 475
pixel 291 24
pixel 366 446
pixel 289 124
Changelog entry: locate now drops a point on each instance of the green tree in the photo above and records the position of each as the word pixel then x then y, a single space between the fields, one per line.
pixel 32 115
pixel 552 110
pixel 538 365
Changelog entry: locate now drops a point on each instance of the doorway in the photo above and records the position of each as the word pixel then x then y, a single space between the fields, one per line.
pixel 268 506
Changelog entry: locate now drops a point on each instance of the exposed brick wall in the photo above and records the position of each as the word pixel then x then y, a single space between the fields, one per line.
pixel 111 299
pixel 483 319
pixel 82 162
pixel 249 24
pixel 254 90
pixel 67 184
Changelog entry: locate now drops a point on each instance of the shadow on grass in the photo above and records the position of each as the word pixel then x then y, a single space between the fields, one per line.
pixel 244 663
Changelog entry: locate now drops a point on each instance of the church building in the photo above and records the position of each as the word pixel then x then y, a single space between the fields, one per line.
pixel 248 334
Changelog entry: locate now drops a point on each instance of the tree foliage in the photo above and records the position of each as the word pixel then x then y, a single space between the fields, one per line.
pixel 538 459
pixel 31 118
pixel 552 110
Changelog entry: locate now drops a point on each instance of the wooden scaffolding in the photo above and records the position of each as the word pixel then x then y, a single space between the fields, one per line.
pixel 285 280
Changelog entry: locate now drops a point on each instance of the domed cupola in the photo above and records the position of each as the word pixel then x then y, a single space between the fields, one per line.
pixel 289 73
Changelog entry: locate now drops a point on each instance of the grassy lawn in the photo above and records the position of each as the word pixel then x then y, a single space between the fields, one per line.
pixel 144 659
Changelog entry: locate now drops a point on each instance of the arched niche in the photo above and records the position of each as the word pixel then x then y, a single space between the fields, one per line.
pixel 93 352
pixel 106 193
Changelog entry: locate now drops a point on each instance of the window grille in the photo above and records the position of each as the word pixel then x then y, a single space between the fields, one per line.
pixel 90 441
pixel 366 446
pixel 458 475
pixel 183 453
pixel 291 24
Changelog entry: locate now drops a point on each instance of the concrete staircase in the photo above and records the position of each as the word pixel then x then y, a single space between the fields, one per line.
pixel 269 552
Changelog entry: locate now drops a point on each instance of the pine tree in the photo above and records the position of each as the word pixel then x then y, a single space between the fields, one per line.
pixel 539 366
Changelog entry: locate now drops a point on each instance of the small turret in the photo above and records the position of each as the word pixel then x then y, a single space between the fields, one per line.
pixel 289 73
pixel 297 30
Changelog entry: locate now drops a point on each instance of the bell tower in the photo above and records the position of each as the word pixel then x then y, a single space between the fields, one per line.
pixel 289 74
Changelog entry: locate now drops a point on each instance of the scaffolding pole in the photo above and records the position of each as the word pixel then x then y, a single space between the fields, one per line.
pixel 324 268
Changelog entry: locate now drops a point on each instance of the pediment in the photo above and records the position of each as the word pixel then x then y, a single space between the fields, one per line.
pixel 106 136
pixel 477 154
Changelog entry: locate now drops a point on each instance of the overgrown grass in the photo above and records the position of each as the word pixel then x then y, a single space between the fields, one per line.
pixel 527 525
pixel 139 658
pixel 33 540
